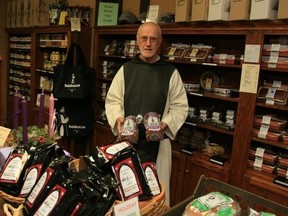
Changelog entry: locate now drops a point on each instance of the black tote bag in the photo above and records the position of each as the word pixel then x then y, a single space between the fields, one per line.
pixel 74 117
pixel 73 80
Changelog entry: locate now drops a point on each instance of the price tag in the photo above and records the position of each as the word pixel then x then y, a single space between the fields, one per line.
pixel 271 93
pixel 194 52
pixel 266 120
pixel 258 163
pixel 277 84
pixel 275 47
pixel 259 152
pixel 263 132
pixel 273 59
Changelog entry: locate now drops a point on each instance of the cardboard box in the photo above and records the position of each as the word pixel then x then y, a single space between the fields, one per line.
pixel 263 9
pixel 13 13
pixel 218 10
pixel 20 13
pixel 27 13
pixel 200 10
pixel 240 9
pixel 282 9
pixel 41 12
pixel 9 14
pixel 183 11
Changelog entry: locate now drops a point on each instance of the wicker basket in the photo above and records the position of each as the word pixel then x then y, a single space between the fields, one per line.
pixel 12 206
pixel 153 207
pixel 10 210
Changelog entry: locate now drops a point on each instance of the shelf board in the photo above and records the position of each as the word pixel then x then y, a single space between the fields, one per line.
pixel 276 107
pixel 212 95
pixel 266 181
pixel 211 127
pixel 44 71
pixel 269 142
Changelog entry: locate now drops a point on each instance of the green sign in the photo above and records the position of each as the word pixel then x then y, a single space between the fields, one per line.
pixel 107 14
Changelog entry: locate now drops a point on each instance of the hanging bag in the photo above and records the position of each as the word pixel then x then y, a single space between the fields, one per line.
pixel 74 117
pixel 73 80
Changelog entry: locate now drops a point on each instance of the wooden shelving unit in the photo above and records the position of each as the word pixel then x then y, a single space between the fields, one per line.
pixel 226 37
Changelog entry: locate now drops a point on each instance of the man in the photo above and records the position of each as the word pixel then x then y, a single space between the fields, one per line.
pixel 149 84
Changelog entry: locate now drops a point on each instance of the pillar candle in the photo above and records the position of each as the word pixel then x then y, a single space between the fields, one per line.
pixel 51 115
pixel 41 109
pixel 24 122
pixel 15 110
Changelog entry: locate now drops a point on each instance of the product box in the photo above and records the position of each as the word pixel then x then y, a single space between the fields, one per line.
pixel 240 9
pixel 183 11
pixel 9 14
pixel 200 10
pixel 27 13
pixel 263 9
pixel 41 12
pixel 20 13
pixel 14 13
pixel 282 9
pixel 218 10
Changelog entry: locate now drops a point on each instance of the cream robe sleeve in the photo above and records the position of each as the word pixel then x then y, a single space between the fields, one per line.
pixel 175 114
pixel 114 102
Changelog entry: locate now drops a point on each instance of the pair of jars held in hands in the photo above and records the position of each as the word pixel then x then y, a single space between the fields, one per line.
pixel 151 122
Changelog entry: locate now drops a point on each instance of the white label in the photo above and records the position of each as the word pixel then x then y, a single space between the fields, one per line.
pixel 48 204
pixel 128 127
pixel 258 163
pixel 275 47
pixel 213 199
pixel 153 123
pixel 116 148
pixel 266 120
pixel 29 181
pixel 129 208
pixel 273 59
pixel 152 181
pixel 128 181
pixel 277 84
pixel 263 132
pixel 13 169
pixel 38 187
pixel 271 93
pixel 259 152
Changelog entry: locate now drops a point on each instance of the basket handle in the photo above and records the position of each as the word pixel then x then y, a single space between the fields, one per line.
pixel 9 210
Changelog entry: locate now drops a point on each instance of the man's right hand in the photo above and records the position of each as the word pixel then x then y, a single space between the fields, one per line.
pixel 119 123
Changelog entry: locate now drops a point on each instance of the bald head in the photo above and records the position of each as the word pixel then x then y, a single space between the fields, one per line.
pixel 149 38
pixel 152 26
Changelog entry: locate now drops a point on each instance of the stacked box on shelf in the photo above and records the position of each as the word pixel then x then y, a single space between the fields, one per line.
pixel 268 127
pixel 263 159
pixel 282 169
pixel 275 55
pixel 273 92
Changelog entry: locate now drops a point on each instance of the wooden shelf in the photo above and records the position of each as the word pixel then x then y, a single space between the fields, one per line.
pixel 226 37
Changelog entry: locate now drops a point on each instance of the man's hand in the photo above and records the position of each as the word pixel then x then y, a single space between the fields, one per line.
pixel 119 123
pixel 163 126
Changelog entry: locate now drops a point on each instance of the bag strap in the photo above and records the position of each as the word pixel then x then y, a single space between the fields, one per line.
pixel 75 56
